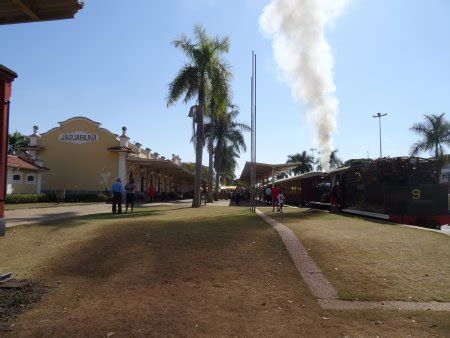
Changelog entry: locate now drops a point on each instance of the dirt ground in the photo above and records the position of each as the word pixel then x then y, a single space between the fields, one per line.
pixel 176 271
pixel 374 260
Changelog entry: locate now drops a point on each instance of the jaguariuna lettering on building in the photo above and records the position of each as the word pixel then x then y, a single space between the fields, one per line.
pixel 78 137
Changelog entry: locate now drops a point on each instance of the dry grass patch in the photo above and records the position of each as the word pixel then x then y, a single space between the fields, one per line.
pixel 179 272
pixel 372 260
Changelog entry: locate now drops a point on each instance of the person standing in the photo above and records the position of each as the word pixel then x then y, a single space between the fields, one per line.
pixel 151 193
pixel 280 202
pixel 130 194
pixel 237 196
pixel 275 192
pixel 268 195
pixel 117 191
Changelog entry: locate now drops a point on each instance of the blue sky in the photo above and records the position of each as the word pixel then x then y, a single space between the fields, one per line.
pixel 114 61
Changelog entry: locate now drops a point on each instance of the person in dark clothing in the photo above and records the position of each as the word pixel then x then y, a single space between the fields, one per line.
pixel 238 196
pixel 130 194
pixel 117 191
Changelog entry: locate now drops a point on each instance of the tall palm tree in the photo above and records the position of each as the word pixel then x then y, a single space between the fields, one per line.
pixel 204 70
pixel 228 137
pixel 307 162
pixel 434 132
pixel 16 140
pixel 219 98
pixel 227 167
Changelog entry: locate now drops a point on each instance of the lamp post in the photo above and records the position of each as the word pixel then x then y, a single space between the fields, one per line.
pixel 379 116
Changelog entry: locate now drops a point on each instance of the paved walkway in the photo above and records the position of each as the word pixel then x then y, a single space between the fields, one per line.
pixel 39 215
pixel 321 287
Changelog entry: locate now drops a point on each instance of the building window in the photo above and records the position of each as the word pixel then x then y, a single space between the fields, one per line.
pixel 17 178
pixel 31 179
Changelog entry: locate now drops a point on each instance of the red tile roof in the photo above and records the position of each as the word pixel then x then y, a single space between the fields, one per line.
pixel 19 163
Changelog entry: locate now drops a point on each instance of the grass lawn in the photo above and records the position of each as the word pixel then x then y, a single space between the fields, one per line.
pixel 179 271
pixel 374 260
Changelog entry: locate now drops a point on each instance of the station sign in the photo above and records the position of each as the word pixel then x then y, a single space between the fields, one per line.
pixel 78 137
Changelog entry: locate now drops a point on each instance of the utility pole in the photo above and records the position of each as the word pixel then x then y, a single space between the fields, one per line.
pixel 379 116
pixel 253 135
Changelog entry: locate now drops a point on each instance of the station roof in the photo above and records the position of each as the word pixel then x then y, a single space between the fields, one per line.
pixel 22 11
pixel 23 164
pixel 265 170
pixel 167 167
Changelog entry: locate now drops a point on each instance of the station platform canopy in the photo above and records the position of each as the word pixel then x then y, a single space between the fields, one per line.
pixel 165 166
pixel 264 171
pixel 22 11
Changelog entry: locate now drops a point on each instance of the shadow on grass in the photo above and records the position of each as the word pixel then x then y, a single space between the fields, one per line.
pixel 69 220
pixel 161 250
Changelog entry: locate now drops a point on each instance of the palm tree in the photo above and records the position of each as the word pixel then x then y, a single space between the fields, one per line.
pixel 219 99
pixel 306 162
pixel 16 140
pixel 204 70
pixel 228 166
pixel 434 132
pixel 228 138
pixel 335 162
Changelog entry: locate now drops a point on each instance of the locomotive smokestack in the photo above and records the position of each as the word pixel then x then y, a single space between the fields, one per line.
pixel 302 53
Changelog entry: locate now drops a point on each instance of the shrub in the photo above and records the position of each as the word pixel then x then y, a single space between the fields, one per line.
pixel 44 198
pixel 26 198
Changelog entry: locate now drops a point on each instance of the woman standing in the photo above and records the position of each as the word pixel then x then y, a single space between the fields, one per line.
pixel 130 192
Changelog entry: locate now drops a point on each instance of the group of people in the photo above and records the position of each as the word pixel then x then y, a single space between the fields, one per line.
pixel 274 195
pixel 117 194
pixel 118 191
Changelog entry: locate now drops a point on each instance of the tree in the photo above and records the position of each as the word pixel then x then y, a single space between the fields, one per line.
pixel 204 70
pixel 228 165
pixel 306 162
pixel 16 140
pixel 191 167
pixel 334 163
pixel 434 133
pixel 228 138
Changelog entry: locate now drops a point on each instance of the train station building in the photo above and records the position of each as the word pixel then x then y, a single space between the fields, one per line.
pixel 84 158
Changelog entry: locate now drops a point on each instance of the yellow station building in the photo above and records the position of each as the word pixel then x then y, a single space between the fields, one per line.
pixel 84 158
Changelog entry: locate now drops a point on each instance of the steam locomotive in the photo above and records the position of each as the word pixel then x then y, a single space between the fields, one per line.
pixel 403 190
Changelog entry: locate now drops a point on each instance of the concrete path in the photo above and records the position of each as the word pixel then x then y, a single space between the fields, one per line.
pixel 321 287
pixel 39 215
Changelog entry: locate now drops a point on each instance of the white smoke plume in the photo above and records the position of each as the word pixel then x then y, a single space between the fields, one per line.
pixel 301 51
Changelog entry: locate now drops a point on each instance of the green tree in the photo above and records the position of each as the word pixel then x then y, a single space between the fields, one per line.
pixel 204 70
pixel 16 140
pixel 228 137
pixel 306 162
pixel 190 166
pixel 434 134
pixel 228 166
pixel 334 163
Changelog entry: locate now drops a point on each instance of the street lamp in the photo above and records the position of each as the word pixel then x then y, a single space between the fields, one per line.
pixel 379 116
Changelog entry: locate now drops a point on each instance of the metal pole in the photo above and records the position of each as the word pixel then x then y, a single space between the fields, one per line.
pixel 379 127
pixel 254 136
pixel 379 116
pixel 252 131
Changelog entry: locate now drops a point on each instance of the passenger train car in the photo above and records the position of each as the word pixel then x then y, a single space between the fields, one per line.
pixel 403 190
